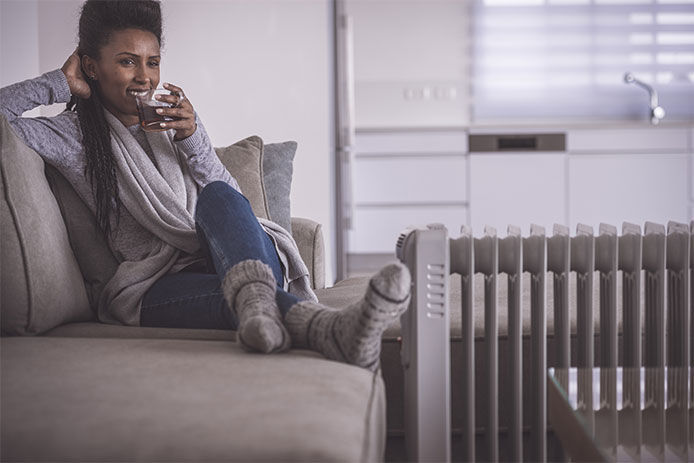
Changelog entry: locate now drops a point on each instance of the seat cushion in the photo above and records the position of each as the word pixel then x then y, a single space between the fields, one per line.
pixel 41 284
pixel 102 330
pixel 179 400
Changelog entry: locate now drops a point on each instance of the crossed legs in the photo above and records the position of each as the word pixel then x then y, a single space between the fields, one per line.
pixel 249 288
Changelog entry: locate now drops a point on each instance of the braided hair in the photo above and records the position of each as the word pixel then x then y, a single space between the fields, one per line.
pixel 98 20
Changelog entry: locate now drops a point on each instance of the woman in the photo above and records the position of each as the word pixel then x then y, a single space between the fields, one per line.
pixel 191 253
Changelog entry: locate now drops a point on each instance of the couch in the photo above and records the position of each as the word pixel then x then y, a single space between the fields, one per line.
pixel 73 389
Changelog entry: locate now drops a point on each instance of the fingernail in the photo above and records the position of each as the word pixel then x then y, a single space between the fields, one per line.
pixel 162 124
pixel 159 111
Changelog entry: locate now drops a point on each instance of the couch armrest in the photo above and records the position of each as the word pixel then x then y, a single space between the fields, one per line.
pixel 309 237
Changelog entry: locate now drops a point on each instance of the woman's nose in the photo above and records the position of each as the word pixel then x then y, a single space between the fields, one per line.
pixel 142 76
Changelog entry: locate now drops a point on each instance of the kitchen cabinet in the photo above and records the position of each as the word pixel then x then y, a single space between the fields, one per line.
pixel 419 180
pixel 403 178
pixel 646 139
pixel 520 188
pixel 377 228
pixel 636 188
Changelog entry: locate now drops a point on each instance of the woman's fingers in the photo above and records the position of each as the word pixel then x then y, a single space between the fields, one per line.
pixel 173 88
pixel 178 113
pixel 182 111
pixel 74 76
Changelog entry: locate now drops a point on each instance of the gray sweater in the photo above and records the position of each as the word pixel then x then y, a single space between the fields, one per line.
pixel 58 140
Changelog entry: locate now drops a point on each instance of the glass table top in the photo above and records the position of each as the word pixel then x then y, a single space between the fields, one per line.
pixel 623 414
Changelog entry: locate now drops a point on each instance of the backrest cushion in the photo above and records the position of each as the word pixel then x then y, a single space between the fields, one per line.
pixel 244 160
pixel 94 256
pixel 41 284
pixel 278 161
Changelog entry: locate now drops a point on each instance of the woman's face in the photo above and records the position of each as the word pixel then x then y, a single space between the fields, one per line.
pixel 128 63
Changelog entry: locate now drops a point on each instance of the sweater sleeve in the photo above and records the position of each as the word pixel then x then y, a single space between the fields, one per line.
pixel 57 139
pixel 204 165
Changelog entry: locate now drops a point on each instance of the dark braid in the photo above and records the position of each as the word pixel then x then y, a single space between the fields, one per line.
pixel 98 20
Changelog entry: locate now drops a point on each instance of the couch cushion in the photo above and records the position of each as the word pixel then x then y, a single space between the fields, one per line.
pixel 41 283
pixel 244 160
pixel 94 257
pixel 278 161
pixel 102 330
pixel 67 399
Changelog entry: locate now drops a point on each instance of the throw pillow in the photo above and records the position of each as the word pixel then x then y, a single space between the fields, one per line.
pixel 94 257
pixel 278 161
pixel 41 284
pixel 244 160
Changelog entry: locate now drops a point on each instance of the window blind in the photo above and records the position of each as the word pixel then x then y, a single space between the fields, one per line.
pixel 548 59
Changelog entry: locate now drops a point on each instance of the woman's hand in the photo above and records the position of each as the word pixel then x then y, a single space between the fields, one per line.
pixel 75 78
pixel 183 112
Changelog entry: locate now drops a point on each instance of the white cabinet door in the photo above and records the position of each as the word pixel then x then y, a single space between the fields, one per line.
pixel 635 188
pixel 517 189
pixel 410 180
pixel 377 228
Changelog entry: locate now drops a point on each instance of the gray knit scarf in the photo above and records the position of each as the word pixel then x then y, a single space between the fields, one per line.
pixel 163 202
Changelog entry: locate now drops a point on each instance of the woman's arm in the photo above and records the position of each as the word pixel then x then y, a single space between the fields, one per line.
pixel 191 138
pixel 46 89
pixel 56 139
pixel 204 165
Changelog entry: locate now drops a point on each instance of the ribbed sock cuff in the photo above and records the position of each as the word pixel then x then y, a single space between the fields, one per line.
pixel 243 273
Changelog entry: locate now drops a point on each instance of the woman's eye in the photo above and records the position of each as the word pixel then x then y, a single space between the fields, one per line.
pixel 154 64
pixel 127 61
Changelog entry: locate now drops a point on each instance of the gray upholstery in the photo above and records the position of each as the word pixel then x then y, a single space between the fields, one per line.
pixel 86 391
pixel 244 160
pixel 102 330
pixel 41 284
pixel 77 399
pixel 94 257
pixel 308 235
pixel 278 167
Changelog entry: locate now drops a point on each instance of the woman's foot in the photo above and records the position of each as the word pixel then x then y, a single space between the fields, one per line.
pixel 249 289
pixel 353 335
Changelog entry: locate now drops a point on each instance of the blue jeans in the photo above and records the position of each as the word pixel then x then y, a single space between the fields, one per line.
pixel 229 233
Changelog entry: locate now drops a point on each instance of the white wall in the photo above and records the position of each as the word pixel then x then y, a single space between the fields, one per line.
pixel 18 21
pixel 250 67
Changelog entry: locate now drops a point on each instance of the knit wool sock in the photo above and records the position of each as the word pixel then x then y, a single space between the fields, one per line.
pixel 249 289
pixel 353 335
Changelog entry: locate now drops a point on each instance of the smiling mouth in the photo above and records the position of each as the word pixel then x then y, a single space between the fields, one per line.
pixel 137 92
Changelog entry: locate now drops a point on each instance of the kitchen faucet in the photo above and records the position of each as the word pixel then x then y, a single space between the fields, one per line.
pixel 657 111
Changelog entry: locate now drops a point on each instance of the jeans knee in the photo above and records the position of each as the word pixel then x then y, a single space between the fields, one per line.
pixel 217 193
pixel 215 188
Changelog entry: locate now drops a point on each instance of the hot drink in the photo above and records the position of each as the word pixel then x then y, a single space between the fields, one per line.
pixel 149 119
pixel 147 106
